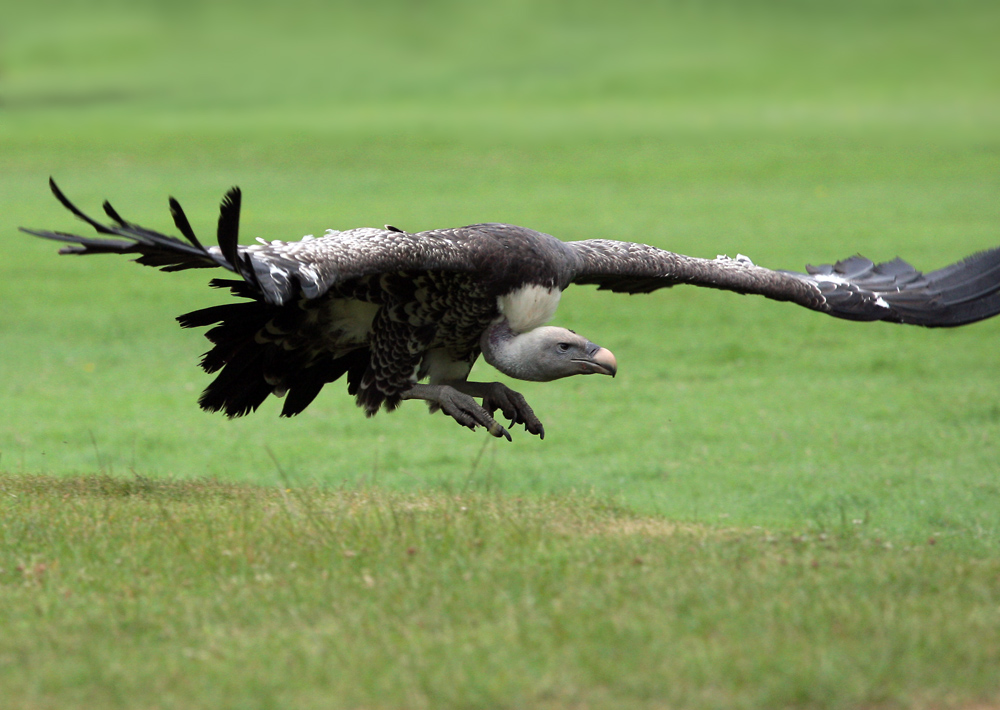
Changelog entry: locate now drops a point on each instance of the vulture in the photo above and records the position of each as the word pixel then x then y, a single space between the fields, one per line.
pixel 405 315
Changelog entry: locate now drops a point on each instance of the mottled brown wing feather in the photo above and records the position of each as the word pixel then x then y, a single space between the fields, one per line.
pixel 854 289
pixel 625 267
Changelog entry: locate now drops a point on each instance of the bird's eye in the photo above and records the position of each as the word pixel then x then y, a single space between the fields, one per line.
pixel 563 347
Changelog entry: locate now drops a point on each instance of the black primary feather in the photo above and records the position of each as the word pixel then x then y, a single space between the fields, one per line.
pixel 961 293
pixel 229 226
pixel 182 223
pixel 154 249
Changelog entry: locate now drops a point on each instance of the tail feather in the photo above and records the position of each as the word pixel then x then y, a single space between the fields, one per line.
pixel 236 287
pixel 253 359
pixel 307 386
pixel 229 312
pixel 237 390
pixel 238 324
pixel 307 383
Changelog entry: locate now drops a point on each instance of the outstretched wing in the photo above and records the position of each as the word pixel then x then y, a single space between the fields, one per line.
pixel 281 270
pixel 855 288
pixel 312 266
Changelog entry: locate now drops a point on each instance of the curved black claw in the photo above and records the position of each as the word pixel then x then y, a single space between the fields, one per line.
pixel 513 406
pixel 467 412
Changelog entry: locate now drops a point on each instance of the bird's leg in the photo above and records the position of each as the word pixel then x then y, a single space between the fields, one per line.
pixel 496 395
pixel 459 406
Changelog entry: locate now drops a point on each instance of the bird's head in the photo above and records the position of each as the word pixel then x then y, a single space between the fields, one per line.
pixel 545 354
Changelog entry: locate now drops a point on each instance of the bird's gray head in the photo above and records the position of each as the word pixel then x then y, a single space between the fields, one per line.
pixel 544 354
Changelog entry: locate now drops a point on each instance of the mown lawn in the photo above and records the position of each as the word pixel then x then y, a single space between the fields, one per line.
pixel 200 594
pixel 789 132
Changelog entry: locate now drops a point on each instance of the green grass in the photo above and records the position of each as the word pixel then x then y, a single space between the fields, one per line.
pixel 792 132
pixel 199 594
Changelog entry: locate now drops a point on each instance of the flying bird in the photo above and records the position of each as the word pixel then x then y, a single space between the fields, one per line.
pixel 405 315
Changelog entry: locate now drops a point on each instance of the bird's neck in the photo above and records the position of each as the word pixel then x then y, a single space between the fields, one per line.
pixel 511 353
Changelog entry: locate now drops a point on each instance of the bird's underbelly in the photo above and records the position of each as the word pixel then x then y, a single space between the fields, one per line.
pixel 435 321
pixel 443 365
pixel 348 322
pixel 443 342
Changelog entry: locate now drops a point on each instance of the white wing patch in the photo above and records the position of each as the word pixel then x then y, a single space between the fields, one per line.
pixel 829 278
pixel 740 259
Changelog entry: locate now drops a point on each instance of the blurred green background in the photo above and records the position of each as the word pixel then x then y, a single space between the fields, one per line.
pixel 792 132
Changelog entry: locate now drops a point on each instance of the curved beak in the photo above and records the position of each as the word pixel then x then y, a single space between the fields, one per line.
pixel 600 361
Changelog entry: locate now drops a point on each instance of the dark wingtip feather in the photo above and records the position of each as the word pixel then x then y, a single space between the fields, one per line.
pixel 55 189
pixel 62 197
pixel 229 226
pixel 113 214
pixel 154 249
pixel 958 294
pixel 182 223
pixel 64 201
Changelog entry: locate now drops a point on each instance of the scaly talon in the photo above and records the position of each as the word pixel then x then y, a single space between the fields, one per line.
pixel 456 400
